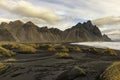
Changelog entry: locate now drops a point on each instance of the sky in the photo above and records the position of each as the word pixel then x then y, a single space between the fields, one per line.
pixel 57 13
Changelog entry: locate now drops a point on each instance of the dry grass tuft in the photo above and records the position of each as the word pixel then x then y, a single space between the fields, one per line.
pixel 3 67
pixel 106 51
pixel 10 60
pixel 64 49
pixel 76 48
pixel 52 49
pixel 63 55
pixel 26 48
pixel 109 51
pixel 20 47
pixel 6 52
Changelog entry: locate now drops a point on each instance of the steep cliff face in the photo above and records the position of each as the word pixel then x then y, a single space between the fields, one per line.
pixel 83 32
pixel 5 35
pixel 29 32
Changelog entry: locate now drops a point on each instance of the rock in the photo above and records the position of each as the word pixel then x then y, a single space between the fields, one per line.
pixel 5 35
pixel 72 74
pixel 106 38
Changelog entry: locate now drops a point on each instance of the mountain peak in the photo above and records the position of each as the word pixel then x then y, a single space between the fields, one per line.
pixel 4 23
pixel 29 23
pixel 16 22
pixel 79 24
pixel 88 23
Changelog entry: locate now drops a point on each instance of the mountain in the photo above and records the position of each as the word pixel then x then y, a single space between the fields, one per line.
pixel 83 32
pixel 110 26
pixel 113 33
pixel 29 32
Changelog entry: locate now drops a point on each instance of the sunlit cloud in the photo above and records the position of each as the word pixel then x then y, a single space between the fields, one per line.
pixel 26 9
pixel 59 12
pixel 111 20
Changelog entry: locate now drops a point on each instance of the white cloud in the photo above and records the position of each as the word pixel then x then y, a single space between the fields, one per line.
pixel 4 20
pixel 26 9
pixel 92 9
pixel 110 20
pixel 62 11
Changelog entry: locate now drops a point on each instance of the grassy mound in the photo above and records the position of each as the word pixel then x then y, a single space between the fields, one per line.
pixel 63 55
pixel 6 52
pixel 52 49
pixel 77 49
pixel 64 49
pixel 34 45
pixel 112 72
pixel 20 47
pixel 109 51
pixel 3 67
pixel 10 60
pixel 106 51
pixel 25 48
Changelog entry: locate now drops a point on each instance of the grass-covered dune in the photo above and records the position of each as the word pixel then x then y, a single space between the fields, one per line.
pixel 112 72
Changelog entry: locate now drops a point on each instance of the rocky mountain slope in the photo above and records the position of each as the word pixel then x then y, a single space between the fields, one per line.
pixel 110 26
pixel 29 32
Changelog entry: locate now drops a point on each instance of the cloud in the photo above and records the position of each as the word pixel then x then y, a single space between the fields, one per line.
pixel 61 12
pixel 24 19
pixel 4 5
pixel 26 9
pixel 111 20
pixel 90 9
pixel 4 20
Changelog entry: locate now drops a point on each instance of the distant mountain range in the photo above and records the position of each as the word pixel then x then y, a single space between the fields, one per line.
pixel 29 32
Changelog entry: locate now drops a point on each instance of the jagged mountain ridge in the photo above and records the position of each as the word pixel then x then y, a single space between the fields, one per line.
pixel 29 32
